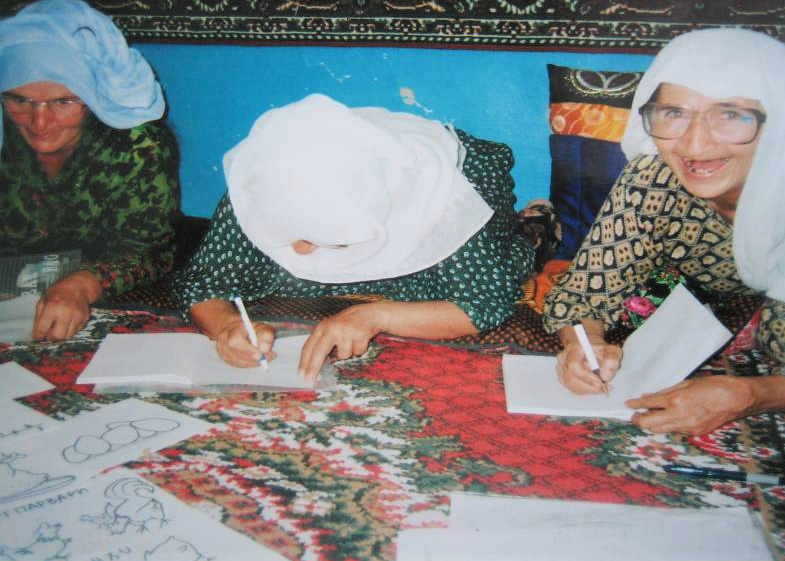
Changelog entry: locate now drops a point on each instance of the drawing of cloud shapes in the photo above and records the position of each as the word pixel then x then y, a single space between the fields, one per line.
pixel 174 549
pixel 121 434
pixel 117 435
pixel 85 448
pixel 149 427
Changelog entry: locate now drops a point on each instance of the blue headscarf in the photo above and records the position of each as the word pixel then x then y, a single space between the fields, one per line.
pixel 68 42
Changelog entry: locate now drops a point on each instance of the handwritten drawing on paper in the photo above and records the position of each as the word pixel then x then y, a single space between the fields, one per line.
pixel 85 445
pixel 47 545
pixel 120 516
pixel 18 483
pixel 18 421
pixel 130 504
pixel 117 435
pixel 174 549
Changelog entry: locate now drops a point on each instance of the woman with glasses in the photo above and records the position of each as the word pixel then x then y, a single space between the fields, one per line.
pixel 327 200
pixel 86 163
pixel 703 194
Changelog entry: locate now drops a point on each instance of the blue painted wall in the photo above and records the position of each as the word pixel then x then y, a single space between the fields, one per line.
pixel 215 93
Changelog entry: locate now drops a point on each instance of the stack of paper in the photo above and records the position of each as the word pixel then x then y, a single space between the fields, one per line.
pixel 674 341
pixel 505 528
pixel 184 360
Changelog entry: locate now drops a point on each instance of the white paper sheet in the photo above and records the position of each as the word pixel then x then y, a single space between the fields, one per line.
pixel 18 422
pixel 83 446
pixel 16 318
pixel 185 360
pixel 120 516
pixel 674 341
pixel 505 528
pixel 18 381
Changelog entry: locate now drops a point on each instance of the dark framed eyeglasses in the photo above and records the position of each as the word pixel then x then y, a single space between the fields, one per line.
pixel 726 123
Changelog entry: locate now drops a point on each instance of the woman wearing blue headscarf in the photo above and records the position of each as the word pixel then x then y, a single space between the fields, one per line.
pixel 86 162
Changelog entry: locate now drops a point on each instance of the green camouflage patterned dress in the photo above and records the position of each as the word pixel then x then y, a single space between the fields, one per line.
pixel 114 199
pixel 483 277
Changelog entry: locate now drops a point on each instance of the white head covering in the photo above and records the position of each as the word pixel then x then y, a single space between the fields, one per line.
pixel 68 42
pixel 726 63
pixel 386 185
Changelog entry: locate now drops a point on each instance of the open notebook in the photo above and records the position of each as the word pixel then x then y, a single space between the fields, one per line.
pixel 163 361
pixel 673 342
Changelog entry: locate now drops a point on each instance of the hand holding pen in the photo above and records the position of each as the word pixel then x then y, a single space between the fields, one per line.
pixel 588 351
pixel 249 328
pixel 584 367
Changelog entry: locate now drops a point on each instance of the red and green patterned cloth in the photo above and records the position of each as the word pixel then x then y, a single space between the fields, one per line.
pixel 336 475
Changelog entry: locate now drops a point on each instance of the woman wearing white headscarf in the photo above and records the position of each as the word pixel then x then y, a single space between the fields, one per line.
pixel 86 163
pixel 327 200
pixel 704 192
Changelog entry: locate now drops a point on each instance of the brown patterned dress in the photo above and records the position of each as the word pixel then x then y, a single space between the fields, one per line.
pixel 650 221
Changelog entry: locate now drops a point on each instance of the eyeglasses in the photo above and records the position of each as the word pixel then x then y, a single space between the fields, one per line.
pixel 726 123
pixel 62 108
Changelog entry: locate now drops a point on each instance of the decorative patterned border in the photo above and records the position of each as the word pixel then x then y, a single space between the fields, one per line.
pixel 603 25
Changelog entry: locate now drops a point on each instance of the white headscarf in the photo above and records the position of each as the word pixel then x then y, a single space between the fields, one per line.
pixel 68 42
pixel 726 63
pixel 386 185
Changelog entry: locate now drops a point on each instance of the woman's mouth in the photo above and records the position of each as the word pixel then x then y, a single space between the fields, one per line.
pixel 704 168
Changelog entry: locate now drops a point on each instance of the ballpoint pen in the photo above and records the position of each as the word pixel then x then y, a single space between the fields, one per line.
pixel 715 473
pixel 591 358
pixel 250 330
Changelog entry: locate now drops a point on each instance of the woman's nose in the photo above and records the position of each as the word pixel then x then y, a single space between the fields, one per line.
pixel 697 138
pixel 41 117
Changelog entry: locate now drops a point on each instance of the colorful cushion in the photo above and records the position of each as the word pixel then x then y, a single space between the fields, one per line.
pixel 588 114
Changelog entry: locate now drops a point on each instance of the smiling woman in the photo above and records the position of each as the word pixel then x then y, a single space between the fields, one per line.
pixel 703 194
pixel 708 143
pixel 86 163
pixel 50 118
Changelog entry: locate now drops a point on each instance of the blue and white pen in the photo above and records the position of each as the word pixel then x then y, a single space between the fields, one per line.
pixel 250 330
pixel 588 351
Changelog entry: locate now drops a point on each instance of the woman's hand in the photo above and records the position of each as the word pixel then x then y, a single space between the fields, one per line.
pixel 574 372
pixel 220 320
pixel 235 348
pixel 572 367
pixel 64 308
pixel 696 406
pixel 348 332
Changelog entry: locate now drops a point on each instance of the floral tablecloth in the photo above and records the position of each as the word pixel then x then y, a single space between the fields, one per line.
pixel 336 475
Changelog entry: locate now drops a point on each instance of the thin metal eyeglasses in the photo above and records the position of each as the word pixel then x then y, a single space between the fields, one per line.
pixel 63 107
pixel 726 123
